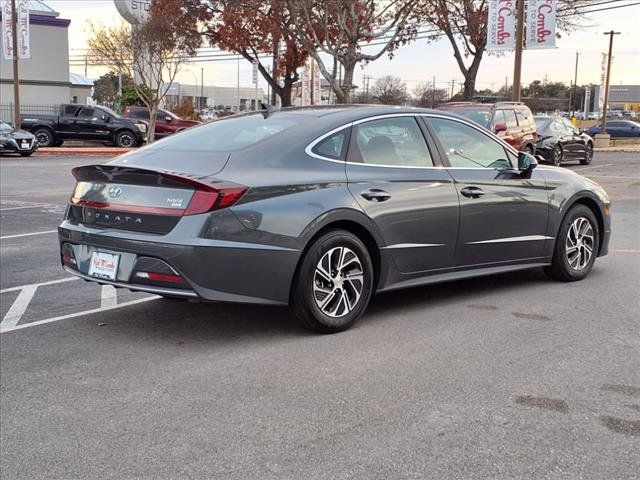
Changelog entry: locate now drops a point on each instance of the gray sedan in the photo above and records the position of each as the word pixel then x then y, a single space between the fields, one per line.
pixel 320 208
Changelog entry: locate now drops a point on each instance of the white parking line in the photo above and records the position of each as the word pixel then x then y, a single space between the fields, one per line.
pixel 20 208
pixel 108 296
pixel 593 166
pixel 41 284
pixel 18 308
pixel 77 314
pixel 6 237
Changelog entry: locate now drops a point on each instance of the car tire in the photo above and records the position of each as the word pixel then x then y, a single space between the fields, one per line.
pixel 588 154
pixel 322 298
pixel 557 154
pixel 126 139
pixel 579 229
pixel 44 137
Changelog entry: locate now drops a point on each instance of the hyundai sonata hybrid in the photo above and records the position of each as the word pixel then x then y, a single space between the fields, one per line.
pixel 319 208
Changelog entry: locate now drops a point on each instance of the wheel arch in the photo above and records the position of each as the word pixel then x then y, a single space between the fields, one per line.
pixel 44 126
pixel 350 222
pixel 594 206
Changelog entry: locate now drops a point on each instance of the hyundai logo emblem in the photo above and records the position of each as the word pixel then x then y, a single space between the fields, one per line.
pixel 115 192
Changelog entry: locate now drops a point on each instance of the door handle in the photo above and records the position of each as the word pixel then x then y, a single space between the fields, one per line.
pixel 472 192
pixel 376 195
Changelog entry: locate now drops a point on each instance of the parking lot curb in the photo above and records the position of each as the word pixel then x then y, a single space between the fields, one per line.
pixel 81 151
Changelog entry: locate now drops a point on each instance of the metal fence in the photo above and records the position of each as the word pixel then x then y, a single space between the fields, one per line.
pixel 6 110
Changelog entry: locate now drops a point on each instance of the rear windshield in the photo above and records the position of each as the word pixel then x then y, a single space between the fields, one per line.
pixel 543 122
pixel 479 116
pixel 228 134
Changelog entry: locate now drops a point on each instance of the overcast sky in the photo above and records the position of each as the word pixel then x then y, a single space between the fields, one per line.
pixel 421 61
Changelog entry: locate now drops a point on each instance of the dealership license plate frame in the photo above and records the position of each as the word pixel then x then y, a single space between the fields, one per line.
pixel 104 272
pixel 24 145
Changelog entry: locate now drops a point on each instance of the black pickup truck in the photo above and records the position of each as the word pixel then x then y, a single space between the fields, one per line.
pixel 85 122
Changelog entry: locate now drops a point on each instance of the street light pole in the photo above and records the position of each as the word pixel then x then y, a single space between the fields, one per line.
pixel 16 76
pixel 611 33
pixel 575 86
pixel 517 68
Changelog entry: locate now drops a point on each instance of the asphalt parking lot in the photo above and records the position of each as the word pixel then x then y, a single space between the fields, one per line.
pixel 512 376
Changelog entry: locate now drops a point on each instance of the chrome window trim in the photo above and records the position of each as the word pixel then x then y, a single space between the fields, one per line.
pixel 310 146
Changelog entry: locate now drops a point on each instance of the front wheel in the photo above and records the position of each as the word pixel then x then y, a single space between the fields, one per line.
pixel 334 283
pixel 125 139
pixel 588 154
pixel 576 247
pixel 557 155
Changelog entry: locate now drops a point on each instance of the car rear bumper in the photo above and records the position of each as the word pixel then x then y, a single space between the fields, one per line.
pixel 213 270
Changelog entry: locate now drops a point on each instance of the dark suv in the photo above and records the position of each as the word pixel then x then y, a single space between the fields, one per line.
pixel 513 122
pixel 166 121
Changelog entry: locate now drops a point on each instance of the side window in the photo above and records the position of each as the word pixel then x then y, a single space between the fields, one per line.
pixel 569 127
pixel 395 141
pixel 557 127
pixel 70 110
pixel 524 118
pixel 467 147
pixel 334 146
pixel 499 118
pixel 86 113
pixel 140 114
pixel 510 117
pixel 159 116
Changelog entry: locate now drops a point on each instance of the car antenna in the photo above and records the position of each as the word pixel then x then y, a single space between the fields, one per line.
pixel 268 109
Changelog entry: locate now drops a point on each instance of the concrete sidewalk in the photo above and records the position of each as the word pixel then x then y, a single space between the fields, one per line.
pixel 82 151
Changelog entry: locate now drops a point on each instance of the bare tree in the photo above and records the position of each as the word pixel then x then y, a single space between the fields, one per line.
pixel 389 90
pixel 152 54
pixel 426 96
pixel 464 24
pixel 342 28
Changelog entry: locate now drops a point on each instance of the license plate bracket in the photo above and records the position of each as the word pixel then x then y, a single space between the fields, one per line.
pixel 104 265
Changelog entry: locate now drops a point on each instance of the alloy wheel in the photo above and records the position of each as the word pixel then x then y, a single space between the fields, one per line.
pixel 126 140
pixel 338 282
pixel 43 138
pixel 579 243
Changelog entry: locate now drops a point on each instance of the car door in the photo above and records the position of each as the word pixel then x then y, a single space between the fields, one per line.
pixel 67 122
pixel 393 176
pixel 503 214
pixel 92 124
pixel 575 145
pixel 512 136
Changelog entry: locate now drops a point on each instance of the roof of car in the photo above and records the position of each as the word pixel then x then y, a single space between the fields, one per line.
pixel 351 112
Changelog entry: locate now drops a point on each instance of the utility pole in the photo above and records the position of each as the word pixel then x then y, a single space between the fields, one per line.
pixel 453 86
pixel 238 83
pixel 16 76
pixel 433 93
pixel 517 68
pixel 611 33
pixel 575 86
pixel 201 88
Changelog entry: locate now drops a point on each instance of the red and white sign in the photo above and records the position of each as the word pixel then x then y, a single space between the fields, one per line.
pixel 24 45
pixel 501 26
pixel 541 24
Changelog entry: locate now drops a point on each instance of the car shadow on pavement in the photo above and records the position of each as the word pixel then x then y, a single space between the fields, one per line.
pixel 181 322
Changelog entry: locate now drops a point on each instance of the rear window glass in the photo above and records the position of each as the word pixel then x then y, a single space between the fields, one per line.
pixel 139 113
pixel 510 117
pixel 228 134
pixel 524 118
pixel 479 116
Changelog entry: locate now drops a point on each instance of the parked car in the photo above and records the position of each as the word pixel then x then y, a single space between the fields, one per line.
pixel 85 122
pixel 16 141
pixel 166 122
pixel 559 140
pixel 617 129
pixel 320 208
pixel 511 121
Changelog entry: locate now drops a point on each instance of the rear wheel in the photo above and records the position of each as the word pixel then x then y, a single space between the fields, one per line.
pixel 576 247
pixel 334 283
pixel 44 137
pixel 588 154
pixel 125 139
pixel 557 155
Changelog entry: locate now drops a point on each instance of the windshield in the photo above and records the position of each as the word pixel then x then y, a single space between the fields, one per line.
pixel 110 112
pixel 228 134
pixel 5 127
pixel 479 116
pixel 542 122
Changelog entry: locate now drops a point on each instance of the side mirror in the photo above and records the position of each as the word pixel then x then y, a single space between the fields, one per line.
pixel 526 162
pixel 105 118
pixel 500 127
pixel 167 118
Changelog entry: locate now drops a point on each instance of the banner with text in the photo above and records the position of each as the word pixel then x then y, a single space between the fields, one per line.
pixel 541 24
pixel 501 26
pixel 24 45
